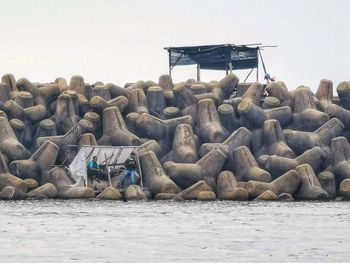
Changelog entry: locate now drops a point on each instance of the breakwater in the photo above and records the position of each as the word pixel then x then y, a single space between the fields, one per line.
pixel 217 140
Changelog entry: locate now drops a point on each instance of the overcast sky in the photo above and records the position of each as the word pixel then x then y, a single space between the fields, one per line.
pixel 122 41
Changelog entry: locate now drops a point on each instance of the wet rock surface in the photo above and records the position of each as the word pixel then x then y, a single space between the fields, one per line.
pixel 197 140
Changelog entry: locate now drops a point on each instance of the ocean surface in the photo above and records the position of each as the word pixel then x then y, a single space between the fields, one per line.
pixel 110 231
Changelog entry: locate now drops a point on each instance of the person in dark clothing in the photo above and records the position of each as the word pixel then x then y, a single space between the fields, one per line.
pixel 130 165
pixel 93 170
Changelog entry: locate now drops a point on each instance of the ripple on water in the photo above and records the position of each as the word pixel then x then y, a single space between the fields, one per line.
pixel 107 231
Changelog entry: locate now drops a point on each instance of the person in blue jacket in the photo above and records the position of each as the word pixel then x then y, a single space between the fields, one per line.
pixel 130 170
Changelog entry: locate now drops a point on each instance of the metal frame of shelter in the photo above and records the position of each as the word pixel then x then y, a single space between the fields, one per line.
pixel 227 57
pixel 109 155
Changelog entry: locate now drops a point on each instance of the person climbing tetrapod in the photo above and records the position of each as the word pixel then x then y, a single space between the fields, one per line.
pixel 130 165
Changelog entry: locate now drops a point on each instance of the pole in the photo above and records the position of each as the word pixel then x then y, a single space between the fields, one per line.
pixel 226 69
pixel 169 51
pixel 139 166
pixel 198 72
pixel 257 68
pixel 107 170
pixel 230 65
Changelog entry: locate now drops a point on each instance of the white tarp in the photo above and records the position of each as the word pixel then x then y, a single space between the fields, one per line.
pixel 105 154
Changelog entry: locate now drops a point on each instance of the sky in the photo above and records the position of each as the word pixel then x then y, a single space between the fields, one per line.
pixel 123 41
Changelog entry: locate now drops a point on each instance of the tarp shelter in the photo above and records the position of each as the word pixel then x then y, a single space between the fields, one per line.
pixel 215 57
pixel 111 155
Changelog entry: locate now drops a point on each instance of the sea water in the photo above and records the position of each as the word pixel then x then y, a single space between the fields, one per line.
pixel 166 231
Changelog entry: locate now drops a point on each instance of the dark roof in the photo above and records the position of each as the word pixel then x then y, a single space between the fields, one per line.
pixel 215 56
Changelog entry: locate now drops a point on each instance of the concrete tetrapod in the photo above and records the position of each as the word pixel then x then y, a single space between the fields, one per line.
pixel 48 190
pixel 310 188
pixel 134 193
pixel 24 84
pixel 274 141
pixel 192 192
pixel 101 91
pixel 34 114
pixel 225 87
pixel 39 162
pixel 327 181
pixel 117 91
pixel 29 116
pixel 206 196
pixel 270 103
pixel 154 177
pixel 150 145
pixel 227 188
pixel 156 101
pixel 344 188
pixel 96 121
pixel 240 137
pixel 306 117
pixel 207 168
pixel 184 147
pixel 340 159
pixel 11 193
pixel 343 90
pixel 62 83
pixel 171 112
pixel 18 128
pixel 186 101
pixel 138 101
pixel 166 82
pixel 253 94
pixel 115 131
pixel 65 141
pixel 198 88
pixel 99 104
pixel 286 183
pixel 75 101
pixel 161 130
pixel 110 193
pixel 254 117
pixel 278 89
pixel 87 139
pixel 77 84
pixel 5 93
pixel 277 165
pixel 10 81
pixel 60 177
pixel 246 168
pixel 209 128
pixel 65 116
pixel 301 141
pixel 31 184
pixel 50 92
pixel 7 179
pixel 268 195
pixel 46 127
pixel 24 99
pixel 9 144
pixel 228 117
pixel 325 96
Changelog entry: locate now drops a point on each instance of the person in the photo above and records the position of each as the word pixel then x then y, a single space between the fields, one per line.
pixel 268 77
pixel 93 170
pixel 130 165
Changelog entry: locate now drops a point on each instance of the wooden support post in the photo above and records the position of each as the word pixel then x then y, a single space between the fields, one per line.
pixel 169 51
pixel 230 66
pixel 198 72
pixel 257 72
pixel 226 69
